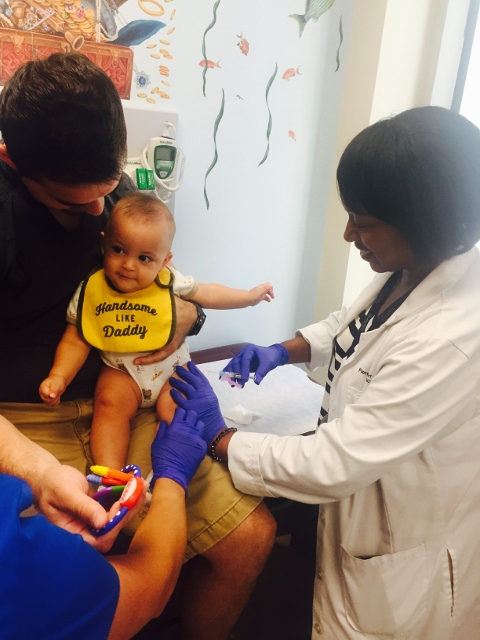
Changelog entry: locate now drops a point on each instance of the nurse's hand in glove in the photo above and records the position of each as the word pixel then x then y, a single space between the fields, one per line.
pixel 258 360
pixel 198 396
pixel 178 449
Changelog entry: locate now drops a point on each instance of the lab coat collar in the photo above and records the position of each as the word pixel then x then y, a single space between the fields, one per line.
pixel 439 280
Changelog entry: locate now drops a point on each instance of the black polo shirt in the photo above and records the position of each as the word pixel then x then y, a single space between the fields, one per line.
pixel 41 264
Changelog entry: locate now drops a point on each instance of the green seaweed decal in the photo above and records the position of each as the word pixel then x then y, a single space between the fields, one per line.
pixel 204 47
pixel 215 156
pixel 340 31
pixel 269 127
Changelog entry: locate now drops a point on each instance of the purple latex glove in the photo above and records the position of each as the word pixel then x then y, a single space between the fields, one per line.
pixel 259 360
pixel 178 449
pixel 199 396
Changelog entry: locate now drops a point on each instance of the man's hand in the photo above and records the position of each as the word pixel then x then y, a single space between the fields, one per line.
pixel 51 389
pixel 186 314
pixel 62 497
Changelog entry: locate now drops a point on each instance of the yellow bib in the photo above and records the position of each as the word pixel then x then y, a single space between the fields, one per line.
pixel 126 322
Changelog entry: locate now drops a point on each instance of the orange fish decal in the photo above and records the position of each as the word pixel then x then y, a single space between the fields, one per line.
pixel 290 73
pixel 209 64
pixel 292 135
pixel 243 44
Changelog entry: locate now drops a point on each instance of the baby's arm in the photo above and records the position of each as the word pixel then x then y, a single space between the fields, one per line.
pixel 71 353
pixel 217 296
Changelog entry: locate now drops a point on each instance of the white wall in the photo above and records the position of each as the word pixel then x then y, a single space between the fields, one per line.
pixel 417 65
pixel 264 222
pixel 403 53
pixel 282 221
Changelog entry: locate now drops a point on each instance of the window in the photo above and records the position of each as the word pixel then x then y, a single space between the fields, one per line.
pixel 466 97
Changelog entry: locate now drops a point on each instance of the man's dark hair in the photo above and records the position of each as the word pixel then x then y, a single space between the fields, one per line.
pixel 420 172
pixel 61 118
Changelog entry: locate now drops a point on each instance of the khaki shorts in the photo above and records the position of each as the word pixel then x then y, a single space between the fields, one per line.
pixel 214 506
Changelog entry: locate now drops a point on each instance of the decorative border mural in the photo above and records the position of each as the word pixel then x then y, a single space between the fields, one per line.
pixel 31 29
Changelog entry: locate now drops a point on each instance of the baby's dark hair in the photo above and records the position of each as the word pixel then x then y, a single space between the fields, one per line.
pixel 142 206
pixel 61 118
pixel 420 172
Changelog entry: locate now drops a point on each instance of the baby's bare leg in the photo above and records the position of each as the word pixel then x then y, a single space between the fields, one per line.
pixel 117 398
pixel 165 404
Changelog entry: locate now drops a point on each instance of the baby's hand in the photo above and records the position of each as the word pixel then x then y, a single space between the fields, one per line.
pixel 51 389
pixel 262 292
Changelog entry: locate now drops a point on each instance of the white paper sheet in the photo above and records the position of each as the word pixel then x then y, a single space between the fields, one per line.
pixel 287 400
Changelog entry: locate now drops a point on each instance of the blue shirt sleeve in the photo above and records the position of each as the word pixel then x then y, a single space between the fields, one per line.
pixel 53 586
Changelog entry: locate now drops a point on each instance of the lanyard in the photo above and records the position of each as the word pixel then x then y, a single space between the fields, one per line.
pixel 383 294
pixel 377 321
pixel 373 315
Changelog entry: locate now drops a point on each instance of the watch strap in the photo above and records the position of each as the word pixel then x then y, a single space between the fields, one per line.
pixel 201 317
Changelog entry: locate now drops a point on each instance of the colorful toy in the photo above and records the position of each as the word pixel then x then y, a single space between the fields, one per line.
pixel 127 487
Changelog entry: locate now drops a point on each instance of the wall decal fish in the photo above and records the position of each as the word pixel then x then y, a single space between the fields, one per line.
pixel 243 44
pixel 313 10
pixel 291 73
pixel 138 31
pixel 210 64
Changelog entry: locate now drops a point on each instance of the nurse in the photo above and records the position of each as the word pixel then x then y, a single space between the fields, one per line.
pixel 394 462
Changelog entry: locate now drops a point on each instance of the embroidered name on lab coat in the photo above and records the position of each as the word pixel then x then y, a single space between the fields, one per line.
pixel 366 374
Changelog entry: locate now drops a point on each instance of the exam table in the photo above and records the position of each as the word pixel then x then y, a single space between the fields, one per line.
pixel 286 403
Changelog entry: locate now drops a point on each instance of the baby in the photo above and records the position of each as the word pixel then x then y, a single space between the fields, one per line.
pixel 126 309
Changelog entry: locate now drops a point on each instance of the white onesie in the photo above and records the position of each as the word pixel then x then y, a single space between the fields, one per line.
pixel 150 378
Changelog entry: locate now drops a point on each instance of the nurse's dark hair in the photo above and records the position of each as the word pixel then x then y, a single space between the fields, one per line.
pixel 61 118
pixel 420 172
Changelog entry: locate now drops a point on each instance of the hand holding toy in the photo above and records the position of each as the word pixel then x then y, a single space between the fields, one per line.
pixel 120 484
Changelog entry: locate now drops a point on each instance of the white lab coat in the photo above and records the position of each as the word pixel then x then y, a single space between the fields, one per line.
pixel 396 468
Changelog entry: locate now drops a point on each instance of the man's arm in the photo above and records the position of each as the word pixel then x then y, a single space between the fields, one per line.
pixel 149 571
pixel 60 492
pixel 186 315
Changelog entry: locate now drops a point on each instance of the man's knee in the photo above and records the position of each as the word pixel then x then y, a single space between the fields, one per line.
pixel 260 530
pixel 249 544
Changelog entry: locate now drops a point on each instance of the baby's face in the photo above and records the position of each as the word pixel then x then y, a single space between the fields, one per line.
pixel 134 252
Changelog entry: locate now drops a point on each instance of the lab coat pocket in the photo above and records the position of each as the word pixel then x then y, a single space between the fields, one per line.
pixel 385 594
pixel 353 394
